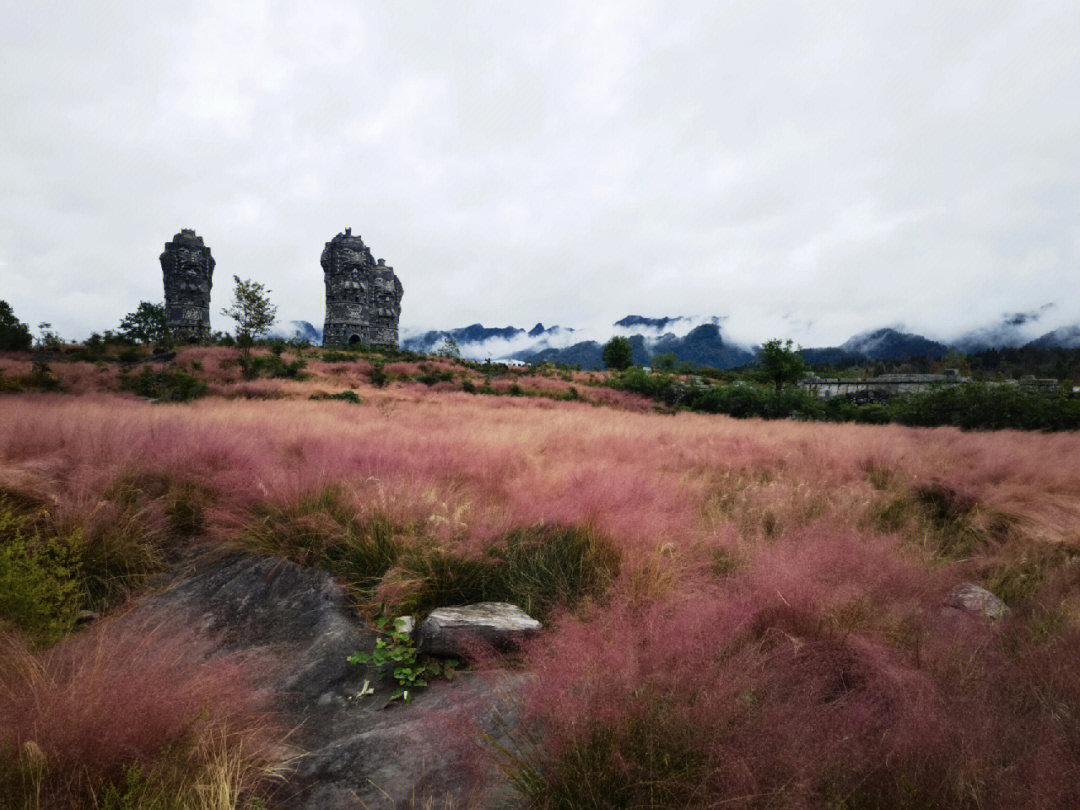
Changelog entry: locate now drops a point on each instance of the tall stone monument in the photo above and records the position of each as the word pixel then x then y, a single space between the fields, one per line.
pixel 188 268
pixel 363 296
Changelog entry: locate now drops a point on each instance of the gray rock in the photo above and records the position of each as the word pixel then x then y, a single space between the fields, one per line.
pixel 973 598
pixel 359 750
pixel 450 631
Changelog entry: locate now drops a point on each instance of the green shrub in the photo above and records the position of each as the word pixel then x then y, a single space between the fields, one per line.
pixel 165 385
pixel 378 375
pixel 41 377
pixel 536 569
pixel 273 365
pixel 185 512
pixel 321 531
pixel 343 396
pixel 41 585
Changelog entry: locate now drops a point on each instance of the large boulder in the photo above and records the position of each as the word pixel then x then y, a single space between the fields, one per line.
pixel 454 631
pixel 360 751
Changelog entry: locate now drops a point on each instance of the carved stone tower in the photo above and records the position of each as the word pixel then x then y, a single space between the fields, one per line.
pixel 363 297
pixel 188 268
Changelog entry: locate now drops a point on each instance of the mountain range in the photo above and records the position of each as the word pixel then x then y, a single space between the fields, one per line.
pixel 703 344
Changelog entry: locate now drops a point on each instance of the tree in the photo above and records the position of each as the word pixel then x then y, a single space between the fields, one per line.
pixel 251 309
pixel 449 348
pixel 780 363
pixel 14 334
pixel 665 362
pixel 147 324
pixel 617 354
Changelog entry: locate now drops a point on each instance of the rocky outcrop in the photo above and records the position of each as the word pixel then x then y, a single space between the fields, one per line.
pixel 359 751
pixel 454 631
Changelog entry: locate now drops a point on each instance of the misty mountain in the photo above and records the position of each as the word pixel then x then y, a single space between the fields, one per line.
pixel 1065 337
pixel 890 344
pixel 468 337
pixel 1015 329
pixel 630 321
pixel 705 345
pixel 296 330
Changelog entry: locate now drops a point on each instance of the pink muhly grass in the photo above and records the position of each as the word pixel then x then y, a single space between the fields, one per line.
pixel 119 694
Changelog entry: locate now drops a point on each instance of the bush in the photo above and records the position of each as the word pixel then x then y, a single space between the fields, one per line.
pixel 41 585
pixel 378 376
pixel 273 365
pixel 536 569
pixel 343 396
pixel 322 531
pixel 165 386
pixel 50 572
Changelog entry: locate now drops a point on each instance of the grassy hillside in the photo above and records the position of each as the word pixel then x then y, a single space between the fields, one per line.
pixel 740 613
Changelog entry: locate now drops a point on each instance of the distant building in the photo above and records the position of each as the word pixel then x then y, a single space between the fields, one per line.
pixel 188 270
pixel 887 386
pixel 363 296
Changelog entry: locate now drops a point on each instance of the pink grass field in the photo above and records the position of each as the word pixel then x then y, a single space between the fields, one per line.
pixel 764 613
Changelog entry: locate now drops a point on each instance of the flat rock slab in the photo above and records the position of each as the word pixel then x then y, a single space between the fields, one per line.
pixel 451 631
pixel 976 599
pixel 358 751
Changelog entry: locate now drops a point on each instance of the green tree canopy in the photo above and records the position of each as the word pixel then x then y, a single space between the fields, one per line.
pixel 147 324
pixel 14 334
pixel 251 309
pixel 617 354
pixel 780 363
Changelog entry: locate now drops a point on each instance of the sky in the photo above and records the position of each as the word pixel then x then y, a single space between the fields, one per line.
pixel 798 169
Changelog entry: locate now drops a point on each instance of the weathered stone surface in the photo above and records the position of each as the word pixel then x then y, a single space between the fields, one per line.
pixel 976 599
pixel 363 296
pixel 359 751
pixel 188 269
pixel 449 631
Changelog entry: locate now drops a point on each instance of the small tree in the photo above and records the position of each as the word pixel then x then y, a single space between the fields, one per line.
pixel 147 324
pixel 252 311
pixel 665 362
pixel 14 334
pixel 780 363
pixel 617 354
pixel 449 348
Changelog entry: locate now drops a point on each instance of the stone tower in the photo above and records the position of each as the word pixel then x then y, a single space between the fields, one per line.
pixel 363 297
pixel 188 268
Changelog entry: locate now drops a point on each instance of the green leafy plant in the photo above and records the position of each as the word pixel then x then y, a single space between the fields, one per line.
pixel 395 651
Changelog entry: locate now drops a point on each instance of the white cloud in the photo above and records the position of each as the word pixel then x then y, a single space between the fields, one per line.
pixel 814 171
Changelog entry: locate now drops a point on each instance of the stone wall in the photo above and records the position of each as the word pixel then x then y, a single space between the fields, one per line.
pixel 363 296
pixel 188 270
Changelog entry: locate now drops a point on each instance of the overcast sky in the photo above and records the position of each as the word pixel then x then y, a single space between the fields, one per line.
pixel 809 170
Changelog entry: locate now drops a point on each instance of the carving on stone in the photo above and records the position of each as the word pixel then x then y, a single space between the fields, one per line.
pixel 363 298
pixel 188 270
